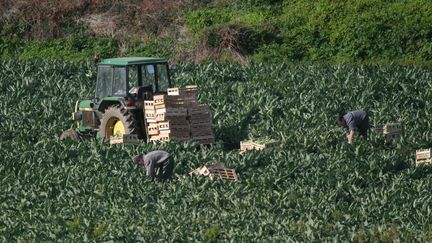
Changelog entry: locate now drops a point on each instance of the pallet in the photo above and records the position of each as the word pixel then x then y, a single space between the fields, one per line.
pixel 125 139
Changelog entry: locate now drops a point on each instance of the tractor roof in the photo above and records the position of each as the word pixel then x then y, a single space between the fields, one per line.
pixel 124 61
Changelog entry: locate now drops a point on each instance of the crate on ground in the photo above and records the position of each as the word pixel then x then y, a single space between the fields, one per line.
pixel 217 170
pixel 266 144
pixel 124 139
pixel 423 157
pixel 247 145
pixel 260 144
pixel 392 128
pixel 379 128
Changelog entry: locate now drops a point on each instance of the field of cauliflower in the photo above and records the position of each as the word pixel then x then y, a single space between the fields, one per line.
pixel 315 187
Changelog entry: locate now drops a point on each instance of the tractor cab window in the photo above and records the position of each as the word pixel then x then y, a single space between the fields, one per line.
pixel 119 84
pixel 133 76
pixel 162 76
pixel 104 81
pixel 148 76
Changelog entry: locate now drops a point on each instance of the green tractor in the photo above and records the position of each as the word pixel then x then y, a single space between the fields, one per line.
pixel 117 107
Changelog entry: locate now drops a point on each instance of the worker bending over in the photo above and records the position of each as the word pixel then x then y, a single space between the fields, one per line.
pixel 158 164
pixel 353 122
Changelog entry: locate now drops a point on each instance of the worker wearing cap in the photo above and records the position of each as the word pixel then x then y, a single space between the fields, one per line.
pixel 354 122
pixel 158 160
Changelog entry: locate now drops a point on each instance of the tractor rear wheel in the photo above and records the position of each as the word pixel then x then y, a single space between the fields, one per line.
pixel 117 121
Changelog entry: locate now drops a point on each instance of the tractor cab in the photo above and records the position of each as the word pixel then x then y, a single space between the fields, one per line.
pixel 133 78
pixel 122 85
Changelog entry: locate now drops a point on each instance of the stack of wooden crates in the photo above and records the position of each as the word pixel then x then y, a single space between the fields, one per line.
pixel 178 116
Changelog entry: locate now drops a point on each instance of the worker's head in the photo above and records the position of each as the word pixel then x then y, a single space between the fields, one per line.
pixel 139 160
pixel 340 121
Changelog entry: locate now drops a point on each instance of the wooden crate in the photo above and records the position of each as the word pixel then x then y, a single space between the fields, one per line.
pixel 423 157
pixel 202 133
pixel 247 145
pixel 167 101
pixel 266 145
pixel 162 117
pixel 164 137
pixel 150 114
pixel 125 139
pixel 168 125
pixel 217 170
pixel 188 91
pixel 176 132
pixel 172 111
pixel 153 129
pixel 379 129
pixel 149 105
pixel 254 145
pixel 199 110
pixel 205 139
pixel 154 138
pixel 224 174
pixel 392 128
pixel 203 128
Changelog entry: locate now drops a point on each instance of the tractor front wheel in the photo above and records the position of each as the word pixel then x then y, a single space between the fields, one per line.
pixel 117 121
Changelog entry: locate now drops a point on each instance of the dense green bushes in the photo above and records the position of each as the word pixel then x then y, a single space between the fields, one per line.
pixel 258 30
pixel 353 31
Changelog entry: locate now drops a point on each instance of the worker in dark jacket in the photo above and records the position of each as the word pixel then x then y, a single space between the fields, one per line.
pixel 353 122
pixel 158 160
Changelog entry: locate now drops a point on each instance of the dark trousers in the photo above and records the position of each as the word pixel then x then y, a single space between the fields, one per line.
pixel 164 170
pixel 363 127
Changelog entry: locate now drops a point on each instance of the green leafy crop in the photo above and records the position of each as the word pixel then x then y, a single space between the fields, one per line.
pixel 316 187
